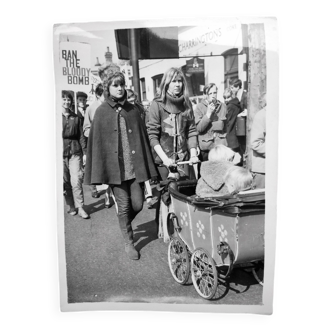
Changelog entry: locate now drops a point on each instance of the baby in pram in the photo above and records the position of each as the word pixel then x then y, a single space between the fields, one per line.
pixel 220 176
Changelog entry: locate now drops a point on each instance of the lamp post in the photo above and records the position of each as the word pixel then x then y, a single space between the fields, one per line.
pixel 134 61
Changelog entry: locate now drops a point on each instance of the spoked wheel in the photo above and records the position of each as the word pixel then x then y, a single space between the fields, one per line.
pixel 178 261
pixel 204 274
pixel 258 272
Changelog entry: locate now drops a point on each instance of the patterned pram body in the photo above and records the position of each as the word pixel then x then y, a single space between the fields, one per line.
pixel 230 230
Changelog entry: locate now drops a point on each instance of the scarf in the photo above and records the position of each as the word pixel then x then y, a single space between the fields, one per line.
pixel 174 104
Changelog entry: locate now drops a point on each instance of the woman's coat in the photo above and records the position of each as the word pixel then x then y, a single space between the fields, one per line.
pixel 102 166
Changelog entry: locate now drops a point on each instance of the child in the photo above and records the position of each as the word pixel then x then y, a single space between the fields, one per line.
pixel 238 179
pixel 213 171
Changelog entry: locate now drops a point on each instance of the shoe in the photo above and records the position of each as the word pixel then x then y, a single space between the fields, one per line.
pixel 107 206
pixel 95 194
pixel 72 211
pixel 131 251
pixel 82 213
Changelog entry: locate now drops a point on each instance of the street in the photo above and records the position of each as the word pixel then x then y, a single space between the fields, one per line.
pixel 98 269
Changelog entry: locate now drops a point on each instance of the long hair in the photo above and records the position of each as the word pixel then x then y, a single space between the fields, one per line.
pixel 167 79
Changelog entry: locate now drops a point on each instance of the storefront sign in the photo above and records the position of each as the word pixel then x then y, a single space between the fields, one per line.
pixel 195 65
pixel 207 41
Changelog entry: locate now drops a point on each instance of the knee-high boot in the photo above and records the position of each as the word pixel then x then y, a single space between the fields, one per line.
pixel 128 236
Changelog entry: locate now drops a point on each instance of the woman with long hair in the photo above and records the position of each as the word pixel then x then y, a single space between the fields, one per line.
pixel 171 127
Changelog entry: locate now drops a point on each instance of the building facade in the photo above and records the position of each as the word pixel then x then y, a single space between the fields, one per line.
pixel 207 55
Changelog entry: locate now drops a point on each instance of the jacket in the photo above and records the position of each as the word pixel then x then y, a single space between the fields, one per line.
pixel 89 115
pixel 212 183
pixel 74 142
pixel 233 109
pixel 257 141
pixel 160 127
pixel 210 130
pixel 102 163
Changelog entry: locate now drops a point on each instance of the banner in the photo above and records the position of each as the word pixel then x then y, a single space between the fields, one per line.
pixel 75 66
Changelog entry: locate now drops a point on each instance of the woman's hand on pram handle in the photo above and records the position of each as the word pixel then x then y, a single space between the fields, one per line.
pixel 193 160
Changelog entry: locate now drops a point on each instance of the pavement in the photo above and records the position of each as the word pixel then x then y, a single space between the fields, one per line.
pixel 98 269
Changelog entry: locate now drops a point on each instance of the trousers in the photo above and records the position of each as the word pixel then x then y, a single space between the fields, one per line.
pixel 73 180
pixel 129 196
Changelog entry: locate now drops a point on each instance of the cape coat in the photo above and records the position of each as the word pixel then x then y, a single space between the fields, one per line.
pixel 102 160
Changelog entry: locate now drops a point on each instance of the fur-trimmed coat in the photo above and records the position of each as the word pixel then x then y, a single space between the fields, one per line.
pixel 212 182
pixel 102 160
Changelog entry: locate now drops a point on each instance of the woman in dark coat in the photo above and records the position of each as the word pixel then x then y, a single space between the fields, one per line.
pixel 118 154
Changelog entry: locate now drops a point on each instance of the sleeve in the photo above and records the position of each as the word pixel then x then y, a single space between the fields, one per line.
pixel 231 118
pixel 192 133
pixel 201 120
pixel 154 124
pixel 87 122
pixel 258 132
pixel 244 101
pixel 82 137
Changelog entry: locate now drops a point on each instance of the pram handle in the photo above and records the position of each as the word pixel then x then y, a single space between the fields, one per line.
pixel 186 162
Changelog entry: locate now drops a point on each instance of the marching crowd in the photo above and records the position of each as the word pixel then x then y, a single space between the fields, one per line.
pixel 123 144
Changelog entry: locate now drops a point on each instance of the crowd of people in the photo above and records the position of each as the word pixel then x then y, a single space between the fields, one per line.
pixel 121 143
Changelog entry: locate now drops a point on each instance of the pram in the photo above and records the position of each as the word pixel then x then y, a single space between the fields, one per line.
pixel 209 237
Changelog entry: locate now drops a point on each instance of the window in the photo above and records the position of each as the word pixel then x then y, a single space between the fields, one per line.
pixel 156 82
pixel 143 88
pixel 231 65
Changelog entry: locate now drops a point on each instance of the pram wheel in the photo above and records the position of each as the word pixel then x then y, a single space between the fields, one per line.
pixel 204 274
pixel 258 272
pixel 178 261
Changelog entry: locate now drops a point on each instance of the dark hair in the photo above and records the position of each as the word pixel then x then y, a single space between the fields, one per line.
pixel 67 94
pixel 117 77
pixel 99 89
pixel 236 83
pixel 208 87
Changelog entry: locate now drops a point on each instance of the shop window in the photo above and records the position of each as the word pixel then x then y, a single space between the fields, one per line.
pixel 156 82
pixel 143 88
pixel 231 65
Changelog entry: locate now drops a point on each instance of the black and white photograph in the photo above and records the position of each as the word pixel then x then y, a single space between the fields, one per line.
pixel 166 175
